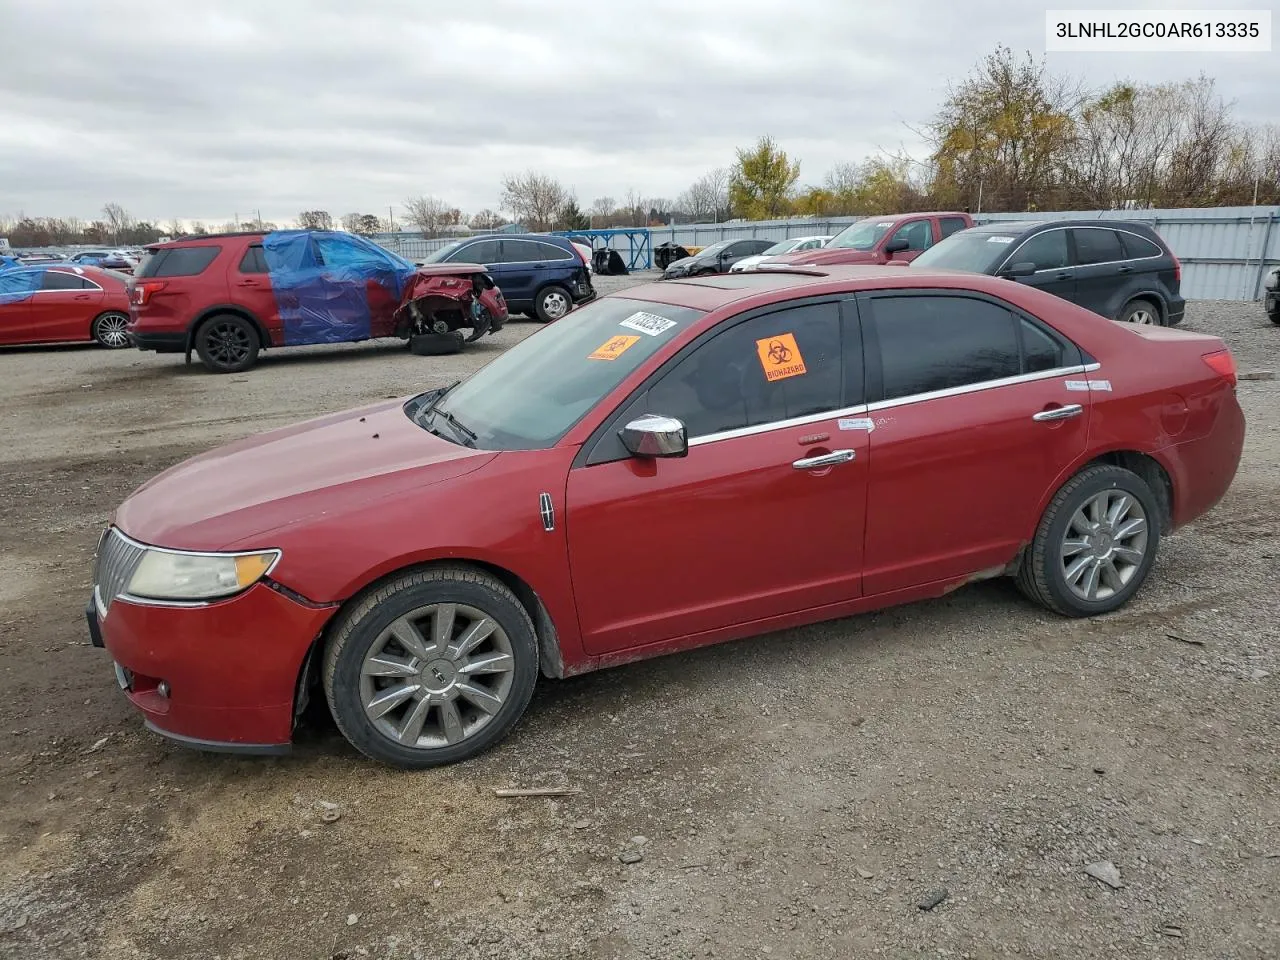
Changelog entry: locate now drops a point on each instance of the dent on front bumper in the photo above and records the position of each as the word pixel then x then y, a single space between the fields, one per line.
pixel 229 669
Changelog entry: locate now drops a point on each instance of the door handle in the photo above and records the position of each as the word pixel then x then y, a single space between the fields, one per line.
pixel 1062 275
pixel 824 460
pixel 248 283
pixel 82 296
pixel 1124 269
pixel 1059 413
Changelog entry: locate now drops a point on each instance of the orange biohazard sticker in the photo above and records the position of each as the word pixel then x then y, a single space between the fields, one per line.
pixel 780 357
pixel 612 348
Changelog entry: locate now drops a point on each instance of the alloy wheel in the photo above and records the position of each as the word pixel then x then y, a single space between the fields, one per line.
pixel 113 331
pixel 1104 546
pixel 228 343
pixel 437 675
pixel 555 304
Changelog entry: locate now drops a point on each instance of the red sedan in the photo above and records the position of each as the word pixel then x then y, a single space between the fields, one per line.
pixel 63 303
pixel 683 463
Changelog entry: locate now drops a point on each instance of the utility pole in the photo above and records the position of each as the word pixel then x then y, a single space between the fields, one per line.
pixel 391 218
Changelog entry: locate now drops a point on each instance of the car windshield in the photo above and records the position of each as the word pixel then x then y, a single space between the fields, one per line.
pixel 968 251
pixel 782 246
pixel 862 235
pixel 530 396
pixel 714 249
pixel 444 251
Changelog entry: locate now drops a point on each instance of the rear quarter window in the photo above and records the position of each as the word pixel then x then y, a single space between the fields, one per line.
pixel 1137 248
pixel 178 262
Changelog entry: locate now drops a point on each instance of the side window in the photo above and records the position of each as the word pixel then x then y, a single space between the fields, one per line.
pixel 932 343
pixel 1040 351
pixel 482 251
pixel 549 251
pixel 769 368
pixel 918 234
pixel 951 225
pixel 1095 245
pixel 520 251
pixel 1046 250
pixel 1136 247
pixel 57 280
pixel 254 260
pixel 179 262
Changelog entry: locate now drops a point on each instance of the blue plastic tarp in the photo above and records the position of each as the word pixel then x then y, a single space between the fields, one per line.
pixel 7 261
pixel 17 284
pixel 324 280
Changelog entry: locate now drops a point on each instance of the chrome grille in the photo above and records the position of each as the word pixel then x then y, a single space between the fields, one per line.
pixel 118 557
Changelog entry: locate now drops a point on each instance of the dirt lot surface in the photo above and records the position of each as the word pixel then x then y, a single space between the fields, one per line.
pixel 796 795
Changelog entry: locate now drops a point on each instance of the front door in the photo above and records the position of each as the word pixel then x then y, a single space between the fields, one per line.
pixel 64 307
pixel 982 411
pixel 1049 253
pixel 764 516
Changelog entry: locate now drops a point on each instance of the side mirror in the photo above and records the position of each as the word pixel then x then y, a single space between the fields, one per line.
pixel 1024 268
pixel 653 435
pixel 896 246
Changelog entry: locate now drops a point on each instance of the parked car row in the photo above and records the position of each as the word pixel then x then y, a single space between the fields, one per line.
pixel 61 302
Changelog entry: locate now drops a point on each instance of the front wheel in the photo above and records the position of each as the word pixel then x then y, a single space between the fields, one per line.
pixel 227 344
pixel 552 303
pixel 1095 544
pixel 431 668
pixel 111 330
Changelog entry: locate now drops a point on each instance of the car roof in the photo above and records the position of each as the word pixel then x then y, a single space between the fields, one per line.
pixel 1022 226
pixel 722 290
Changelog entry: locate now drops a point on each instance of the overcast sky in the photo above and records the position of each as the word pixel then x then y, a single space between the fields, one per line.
pixel 202 110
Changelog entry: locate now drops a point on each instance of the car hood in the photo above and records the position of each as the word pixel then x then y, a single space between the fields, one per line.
pixel 682 262
pixel 825 255
pixel 262 483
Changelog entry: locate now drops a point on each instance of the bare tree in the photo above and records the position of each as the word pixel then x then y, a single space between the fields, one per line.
pixel 535 198
pixel 602 209
pixel 486 220
pixel 118 220
pixel 636 208
pixel 428 214
pixel 198 227
pixel 315 220
pixel 351 222
pixel 707 197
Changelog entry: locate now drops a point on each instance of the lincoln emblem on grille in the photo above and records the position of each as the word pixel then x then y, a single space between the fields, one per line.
pixel 548 511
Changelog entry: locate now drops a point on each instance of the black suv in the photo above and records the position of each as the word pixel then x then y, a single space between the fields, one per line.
pixel 717 258
pixel 1117 268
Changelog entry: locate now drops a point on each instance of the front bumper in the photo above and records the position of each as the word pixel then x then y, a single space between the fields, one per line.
pixel 218 676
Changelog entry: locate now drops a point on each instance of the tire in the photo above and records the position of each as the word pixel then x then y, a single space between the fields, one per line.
pixel 227 343
pixel 1142 312
pixel 109 330
pixel 435 344
pixel 1044 573
pixel 1274 316
pixel 552 303
pixel 426 725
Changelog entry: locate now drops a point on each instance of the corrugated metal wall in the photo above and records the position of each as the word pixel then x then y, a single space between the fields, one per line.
pixel 1226 252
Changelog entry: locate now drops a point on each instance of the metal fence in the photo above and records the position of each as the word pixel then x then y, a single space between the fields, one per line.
pixel 1226 252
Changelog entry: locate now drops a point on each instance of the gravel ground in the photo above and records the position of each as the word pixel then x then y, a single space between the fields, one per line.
pixel 795 795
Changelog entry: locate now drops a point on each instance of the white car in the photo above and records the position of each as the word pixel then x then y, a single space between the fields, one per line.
pixel 790 245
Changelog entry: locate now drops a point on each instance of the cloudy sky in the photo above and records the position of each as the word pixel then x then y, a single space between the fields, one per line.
pixel 202 110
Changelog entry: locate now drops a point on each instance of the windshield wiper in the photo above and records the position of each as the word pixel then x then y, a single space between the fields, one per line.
pixel 465 434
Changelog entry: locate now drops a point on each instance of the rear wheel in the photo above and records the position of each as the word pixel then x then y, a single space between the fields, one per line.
pixel 552 303
pixel 227 343
pixel 431 668
pixel 111 330
pixel 1275 316
pixel 1095 544
pixel 1142 312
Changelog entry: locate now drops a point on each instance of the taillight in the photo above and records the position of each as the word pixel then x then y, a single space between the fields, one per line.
pixel 1223 364
pixel 142 291
pixel 1177 270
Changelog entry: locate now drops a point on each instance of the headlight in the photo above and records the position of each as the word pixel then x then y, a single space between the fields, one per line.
pixel 171 575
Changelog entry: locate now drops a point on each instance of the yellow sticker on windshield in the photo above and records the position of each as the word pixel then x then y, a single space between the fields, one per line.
pixel 612 348
pixel 780 357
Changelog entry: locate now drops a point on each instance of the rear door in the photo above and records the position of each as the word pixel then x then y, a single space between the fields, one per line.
pixel 522 269
pixel 250 285
pixel 64 307
pixel 949 225
pixel 16 290
pixel 1099 260
pixel 1050 253
pixel 980 411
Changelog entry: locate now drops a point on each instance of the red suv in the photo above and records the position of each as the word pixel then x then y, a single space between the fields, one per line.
pixel 683 463
pixel 228 296
pixel 898 238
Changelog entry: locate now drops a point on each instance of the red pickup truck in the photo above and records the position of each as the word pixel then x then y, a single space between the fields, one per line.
pixel 897 237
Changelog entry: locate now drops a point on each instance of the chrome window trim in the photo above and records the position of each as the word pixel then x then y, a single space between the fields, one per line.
pixel 1075 266
pixel 217 554
pixel 889 404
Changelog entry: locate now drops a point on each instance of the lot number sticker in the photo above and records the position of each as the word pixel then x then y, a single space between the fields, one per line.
pixel 649 323
pixel 780 357
pixel 999 239
pixel 613 348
